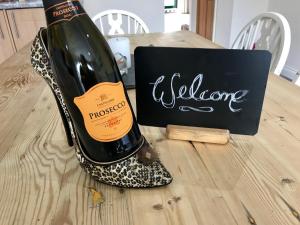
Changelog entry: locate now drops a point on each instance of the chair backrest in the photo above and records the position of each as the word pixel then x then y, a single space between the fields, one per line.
pixel 268 31
pixel 297 81
pixel 112 22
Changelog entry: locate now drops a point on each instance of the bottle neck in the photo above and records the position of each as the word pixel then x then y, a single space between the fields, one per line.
pixel 62 10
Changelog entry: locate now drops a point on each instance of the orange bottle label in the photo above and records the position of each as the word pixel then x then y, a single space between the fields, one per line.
pixel 106 112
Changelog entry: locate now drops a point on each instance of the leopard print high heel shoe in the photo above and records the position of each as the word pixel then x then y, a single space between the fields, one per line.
pixel 141 170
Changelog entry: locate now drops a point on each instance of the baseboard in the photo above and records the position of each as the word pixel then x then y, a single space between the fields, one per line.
pixel 290 73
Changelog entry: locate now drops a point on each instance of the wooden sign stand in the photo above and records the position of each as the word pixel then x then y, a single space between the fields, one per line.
pixel 198 134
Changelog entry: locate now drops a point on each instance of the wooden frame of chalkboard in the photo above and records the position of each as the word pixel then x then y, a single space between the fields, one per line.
pixel 214 88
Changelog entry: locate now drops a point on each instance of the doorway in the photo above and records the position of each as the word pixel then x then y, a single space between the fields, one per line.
pixel 177 15
pixel 194 15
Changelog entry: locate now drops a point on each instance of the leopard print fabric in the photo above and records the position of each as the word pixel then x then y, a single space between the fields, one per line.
pixel 40 63
pixel 129 173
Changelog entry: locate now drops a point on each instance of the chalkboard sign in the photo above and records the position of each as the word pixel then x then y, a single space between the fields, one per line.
pixel 216 88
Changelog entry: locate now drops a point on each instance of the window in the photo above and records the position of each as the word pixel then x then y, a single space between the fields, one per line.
pixel 170 4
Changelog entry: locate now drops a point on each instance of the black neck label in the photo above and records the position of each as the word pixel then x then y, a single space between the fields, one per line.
pixel 64 11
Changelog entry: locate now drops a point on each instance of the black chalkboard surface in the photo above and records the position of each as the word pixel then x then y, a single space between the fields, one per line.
pixel 216 88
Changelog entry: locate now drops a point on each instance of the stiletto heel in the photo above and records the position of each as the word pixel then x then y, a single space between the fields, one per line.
pixel 65 122
pixel 140 170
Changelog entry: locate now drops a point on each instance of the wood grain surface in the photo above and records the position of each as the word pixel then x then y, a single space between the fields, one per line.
pixel 197 134
pixel 251 180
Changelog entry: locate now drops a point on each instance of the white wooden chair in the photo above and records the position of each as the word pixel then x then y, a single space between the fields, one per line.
pixel 112 22
pixel 297 81
pixel 268 31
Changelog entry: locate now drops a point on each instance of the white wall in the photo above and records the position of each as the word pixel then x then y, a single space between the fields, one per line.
pixel 243 12
pixel 193 13
pixel 223 21
pixel 233 15
pixel 290 9
pixel 151 12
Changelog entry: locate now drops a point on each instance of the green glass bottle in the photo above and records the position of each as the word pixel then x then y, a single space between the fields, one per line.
pixel 91 84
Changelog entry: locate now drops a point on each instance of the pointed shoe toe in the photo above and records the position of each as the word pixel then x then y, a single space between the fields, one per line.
pixel 129 173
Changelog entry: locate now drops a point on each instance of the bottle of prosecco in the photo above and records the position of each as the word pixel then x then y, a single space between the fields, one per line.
pixel 91 84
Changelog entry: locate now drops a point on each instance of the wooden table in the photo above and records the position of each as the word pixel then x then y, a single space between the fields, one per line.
pixel 252 180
